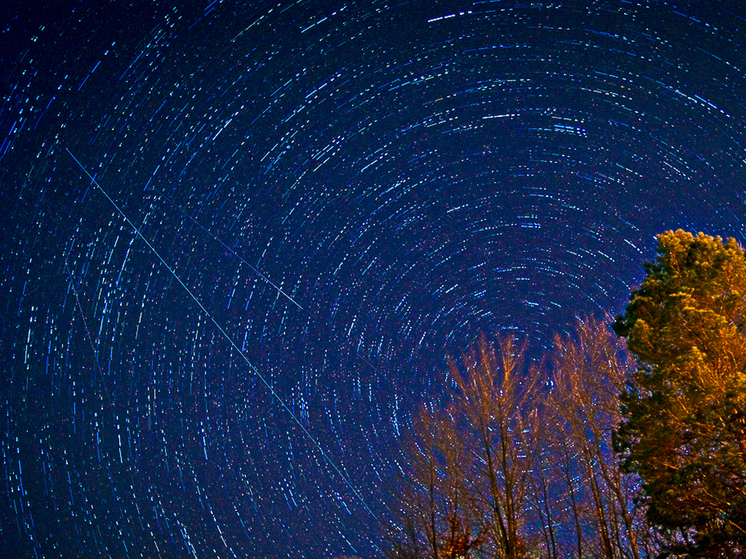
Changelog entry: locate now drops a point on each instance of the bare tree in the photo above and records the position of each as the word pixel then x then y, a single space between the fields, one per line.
pixel 590 369
pixel 519 461
pixel 434 501
pixel 500 403
pixel 466 485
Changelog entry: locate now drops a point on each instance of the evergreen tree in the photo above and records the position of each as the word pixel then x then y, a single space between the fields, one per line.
pixel 684 429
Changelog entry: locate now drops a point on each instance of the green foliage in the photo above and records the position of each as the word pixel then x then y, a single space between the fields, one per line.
pixel 685 410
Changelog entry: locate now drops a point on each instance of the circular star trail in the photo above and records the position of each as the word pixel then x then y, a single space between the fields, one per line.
pixel 240 240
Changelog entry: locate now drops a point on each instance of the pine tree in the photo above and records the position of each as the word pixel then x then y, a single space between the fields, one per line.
pixel 684 429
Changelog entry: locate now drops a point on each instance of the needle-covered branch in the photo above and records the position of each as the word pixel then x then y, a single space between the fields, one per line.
pixel 684 427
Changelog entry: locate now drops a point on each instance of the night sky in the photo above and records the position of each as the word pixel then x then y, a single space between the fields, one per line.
pixel 299 210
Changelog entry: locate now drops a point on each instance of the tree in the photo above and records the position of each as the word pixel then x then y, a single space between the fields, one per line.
pixel 434 501
pixel 499 401
pixel 684 428
pixel 589 371
pixel 465 490
pixel 512 465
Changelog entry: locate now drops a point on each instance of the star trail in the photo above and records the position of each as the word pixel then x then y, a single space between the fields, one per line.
pixel 239 241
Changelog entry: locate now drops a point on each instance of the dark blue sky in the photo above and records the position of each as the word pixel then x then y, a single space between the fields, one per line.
pixel 348 192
